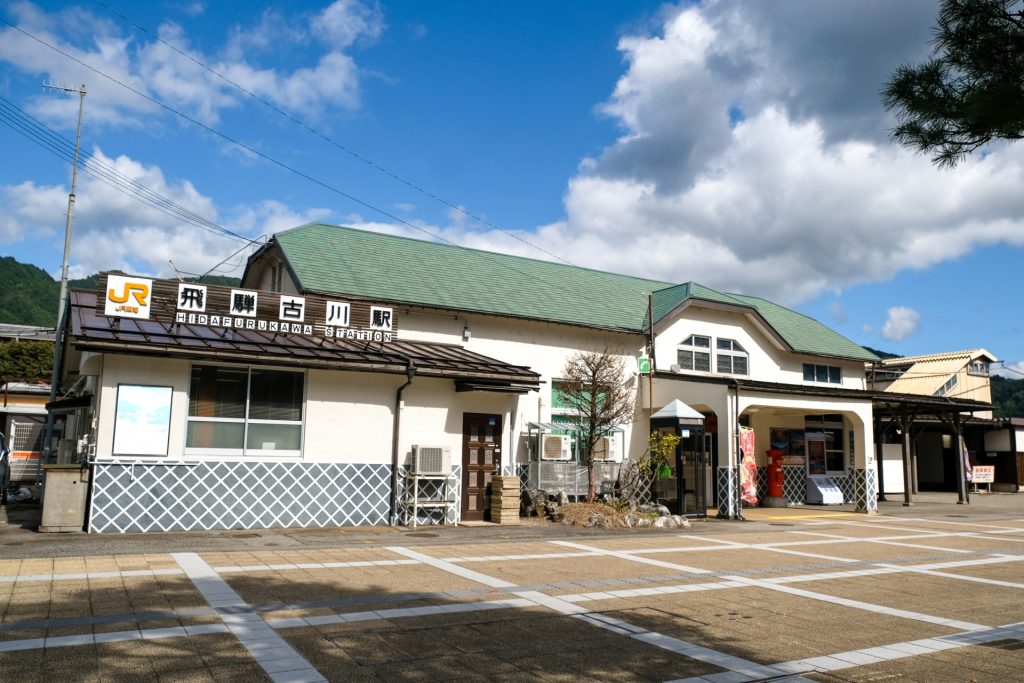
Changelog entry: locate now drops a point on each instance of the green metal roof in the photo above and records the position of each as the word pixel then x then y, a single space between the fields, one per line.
pixel 330 259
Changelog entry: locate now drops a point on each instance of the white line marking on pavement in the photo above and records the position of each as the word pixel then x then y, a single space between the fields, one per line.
pixel 748 669
pixel 1005 529
pixel 886 542
pixel 633 558
pixel 859 604
pixel 451 568
pixel 960 577
pixel 280 660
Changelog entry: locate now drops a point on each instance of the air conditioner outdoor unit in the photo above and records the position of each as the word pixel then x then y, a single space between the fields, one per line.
pixel 608 448
pixel 555 447
pixel 676 368
pixel 432 460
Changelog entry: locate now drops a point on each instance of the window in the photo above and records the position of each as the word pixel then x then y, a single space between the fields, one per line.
pixel 695 353
pixel 244 411
pixel 947 387
pixel 832 427
pixel 978 367
pixel 822 373
pixel 731 358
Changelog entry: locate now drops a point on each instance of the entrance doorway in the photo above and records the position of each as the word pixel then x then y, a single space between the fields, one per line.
pixel 481 459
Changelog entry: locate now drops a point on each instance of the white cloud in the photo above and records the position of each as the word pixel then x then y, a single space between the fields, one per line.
pixel 113 230
pixel 901 323
pixel 802 193
pixel 1009 370
pixel 835 309
pixel 343 22
pixel 330 79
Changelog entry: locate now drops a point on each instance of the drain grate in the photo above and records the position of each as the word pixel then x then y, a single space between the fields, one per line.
pixel 422 534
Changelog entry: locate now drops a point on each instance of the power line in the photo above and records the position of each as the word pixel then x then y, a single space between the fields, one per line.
pixel 31 128
pixel 585 297
pixel 326 138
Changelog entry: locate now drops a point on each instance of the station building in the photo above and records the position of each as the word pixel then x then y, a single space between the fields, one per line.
pixel 347 362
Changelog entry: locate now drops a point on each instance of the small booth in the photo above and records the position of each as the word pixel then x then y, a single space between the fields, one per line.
pixel 685 492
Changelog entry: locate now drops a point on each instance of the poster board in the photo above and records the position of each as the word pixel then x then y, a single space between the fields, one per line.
pixel 817 464
pixel 142 419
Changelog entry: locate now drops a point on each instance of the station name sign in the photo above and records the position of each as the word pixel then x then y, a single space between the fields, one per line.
pixel 189 303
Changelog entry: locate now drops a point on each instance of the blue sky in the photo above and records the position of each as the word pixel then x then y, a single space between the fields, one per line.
pixel 740 145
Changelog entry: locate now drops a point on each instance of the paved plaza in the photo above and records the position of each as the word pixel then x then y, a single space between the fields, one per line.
pixel 930 593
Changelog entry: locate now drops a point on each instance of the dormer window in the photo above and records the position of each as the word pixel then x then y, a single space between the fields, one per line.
pixel 695 353
pixel 978 367
pixel 731 358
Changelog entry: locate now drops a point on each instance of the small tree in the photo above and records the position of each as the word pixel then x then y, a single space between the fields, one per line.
pixel 594 389
pixel 636 479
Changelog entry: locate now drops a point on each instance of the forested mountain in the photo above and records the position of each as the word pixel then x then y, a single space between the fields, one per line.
pixel 28 295
pixel 1008 396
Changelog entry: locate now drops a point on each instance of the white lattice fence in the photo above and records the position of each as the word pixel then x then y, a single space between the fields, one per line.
pixel 147 496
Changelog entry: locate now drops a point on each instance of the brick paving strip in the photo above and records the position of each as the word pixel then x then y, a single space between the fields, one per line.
pixel 281 661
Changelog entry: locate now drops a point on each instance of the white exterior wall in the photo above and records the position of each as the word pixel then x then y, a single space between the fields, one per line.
pixel 544 348
pixel 118 369
pixel 768 362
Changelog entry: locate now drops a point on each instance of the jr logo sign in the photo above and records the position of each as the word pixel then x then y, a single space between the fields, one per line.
pixel 128 297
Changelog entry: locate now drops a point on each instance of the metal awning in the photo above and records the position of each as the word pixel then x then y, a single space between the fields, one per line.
pixel 90 331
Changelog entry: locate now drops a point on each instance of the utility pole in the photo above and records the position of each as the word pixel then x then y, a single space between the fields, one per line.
pixel 58 336
pixel 71 197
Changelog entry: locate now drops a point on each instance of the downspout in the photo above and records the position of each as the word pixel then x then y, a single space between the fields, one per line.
pixel 736 412
pixel 410 372
pixel 650 375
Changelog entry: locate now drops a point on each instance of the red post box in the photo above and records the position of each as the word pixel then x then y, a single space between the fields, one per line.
pixel 775 475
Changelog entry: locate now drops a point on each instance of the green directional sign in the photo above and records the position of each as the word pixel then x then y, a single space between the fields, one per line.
pixel 643 365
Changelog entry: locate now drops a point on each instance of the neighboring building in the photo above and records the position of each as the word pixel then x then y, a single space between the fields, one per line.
pixel 8 331
pixel 962 375
pixel 22 407
pixel 22 418
pixel 1004 448
pixel 299 397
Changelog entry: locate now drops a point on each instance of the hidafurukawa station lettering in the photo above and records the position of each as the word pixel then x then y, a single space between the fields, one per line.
pixel 188 303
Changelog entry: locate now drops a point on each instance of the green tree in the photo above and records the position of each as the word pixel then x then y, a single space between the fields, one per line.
pixel 972 91
pixel 1008 396
pixel 26 358
pixel 594 389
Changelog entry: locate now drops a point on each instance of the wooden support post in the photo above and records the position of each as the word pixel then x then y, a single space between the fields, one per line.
pixel 963 495
pixel 908 498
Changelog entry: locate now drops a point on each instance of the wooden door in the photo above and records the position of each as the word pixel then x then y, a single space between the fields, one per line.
pixel 481 459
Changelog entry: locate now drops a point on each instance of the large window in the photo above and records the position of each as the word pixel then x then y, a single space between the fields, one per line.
pixel 244 411
pixel 695 353
pixel 822 373
pixel 832 427
pixel 731 358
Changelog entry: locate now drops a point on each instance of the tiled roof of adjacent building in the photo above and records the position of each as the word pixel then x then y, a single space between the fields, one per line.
pixel 969 354
pixel 329 259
